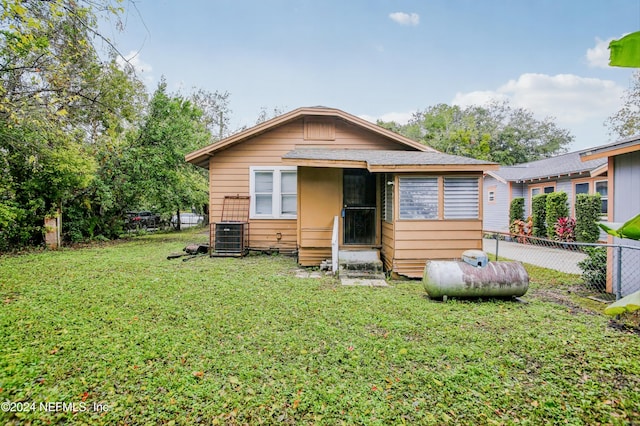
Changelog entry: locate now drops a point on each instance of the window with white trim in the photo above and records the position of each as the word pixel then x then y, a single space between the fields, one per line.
pixel 274 192
pixel 581 188
pixel 418 197
pixel 461 198
pixel 602 188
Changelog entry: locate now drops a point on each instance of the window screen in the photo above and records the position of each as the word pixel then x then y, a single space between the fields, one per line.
pixel 461 198
pixel 418 198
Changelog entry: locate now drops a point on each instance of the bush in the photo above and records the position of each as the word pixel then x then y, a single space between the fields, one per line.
pixel 539 215
pixel 594 268
pixel 521 229
pixel 556 207
pixel 587 216
pixel 565 229
pixel 516 210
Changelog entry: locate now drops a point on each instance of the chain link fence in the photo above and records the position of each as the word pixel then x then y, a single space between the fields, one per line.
pixel 606 271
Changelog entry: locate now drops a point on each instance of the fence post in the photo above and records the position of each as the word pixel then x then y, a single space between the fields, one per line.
pixel 497 239
pixel 618 275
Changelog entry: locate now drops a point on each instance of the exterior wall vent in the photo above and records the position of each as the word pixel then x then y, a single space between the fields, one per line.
pixel 319 129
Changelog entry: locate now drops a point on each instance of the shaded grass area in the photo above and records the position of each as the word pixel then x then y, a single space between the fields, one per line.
pixel 243 341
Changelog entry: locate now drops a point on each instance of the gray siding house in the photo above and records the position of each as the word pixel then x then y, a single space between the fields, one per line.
pixel 566 172
pixel 623 159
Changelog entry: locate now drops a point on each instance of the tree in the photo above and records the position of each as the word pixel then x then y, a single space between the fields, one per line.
pixel 495 132
pixel 626 122
pixel 265 114
pixel 60 106
pixel 216 113
pixel 155 162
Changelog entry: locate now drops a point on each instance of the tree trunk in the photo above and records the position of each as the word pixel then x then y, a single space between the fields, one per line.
pixel 178 221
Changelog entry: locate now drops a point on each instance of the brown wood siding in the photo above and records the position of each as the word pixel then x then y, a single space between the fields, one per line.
pixel 419 241
pixel 229 175
pixel 387 245
pixel 313 256
pixel 264 233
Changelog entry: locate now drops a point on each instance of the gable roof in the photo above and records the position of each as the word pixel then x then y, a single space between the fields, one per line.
pixel 622 146
pixel 385 160
pixel 201 156
pixel 551 168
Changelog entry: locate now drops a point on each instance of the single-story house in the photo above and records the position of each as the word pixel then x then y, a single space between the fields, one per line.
pixel 623 160
pixel 311 168
pixel 566 172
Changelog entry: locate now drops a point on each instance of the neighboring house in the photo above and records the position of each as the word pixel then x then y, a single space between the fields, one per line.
pixel 389 193
pixel 566 172
pixel 623 159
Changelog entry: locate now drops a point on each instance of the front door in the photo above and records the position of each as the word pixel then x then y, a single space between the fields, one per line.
pixel 359 207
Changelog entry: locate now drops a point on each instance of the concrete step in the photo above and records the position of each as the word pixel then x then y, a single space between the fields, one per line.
pixel 360 264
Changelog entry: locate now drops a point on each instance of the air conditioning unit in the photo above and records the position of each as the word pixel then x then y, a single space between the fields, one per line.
pixel 230 239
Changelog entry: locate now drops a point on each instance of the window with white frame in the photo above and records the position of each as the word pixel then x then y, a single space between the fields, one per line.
pixel 418 197
pixel 461 198
pixel 602 188
pixel 274 192
pixel 581 188
pixel 542 190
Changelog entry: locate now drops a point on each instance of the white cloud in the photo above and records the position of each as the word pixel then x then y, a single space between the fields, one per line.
pixel 142 69
pixel 567 97
pixel 576 103
pixel 403 18
pixel 398 117
pixel 598 56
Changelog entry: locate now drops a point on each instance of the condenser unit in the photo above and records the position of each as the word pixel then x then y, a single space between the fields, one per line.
pixel 230 236
pixel 231 239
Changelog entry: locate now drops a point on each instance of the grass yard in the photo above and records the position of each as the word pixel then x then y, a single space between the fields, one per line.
pixel 120 335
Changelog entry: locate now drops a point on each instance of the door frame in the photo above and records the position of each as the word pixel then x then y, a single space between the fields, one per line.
pixel 368 204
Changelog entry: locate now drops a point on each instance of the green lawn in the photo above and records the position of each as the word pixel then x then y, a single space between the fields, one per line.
pixel 128 337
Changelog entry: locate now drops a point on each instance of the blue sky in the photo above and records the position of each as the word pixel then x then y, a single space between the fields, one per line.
pixel 386 59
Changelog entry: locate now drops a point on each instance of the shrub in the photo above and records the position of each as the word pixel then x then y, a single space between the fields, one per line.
pixel 516 209
pixel 587 216
pixel 565 229
pixel 521 229
pixel 556 207
pixel 539 215
pixel 594 268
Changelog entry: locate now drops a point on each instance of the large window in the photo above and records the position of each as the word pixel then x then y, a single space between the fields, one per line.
pixel 418 198
pixel 602 188
pixel 542 190
pixel 582 188
pixel 274 192
pixel 461 198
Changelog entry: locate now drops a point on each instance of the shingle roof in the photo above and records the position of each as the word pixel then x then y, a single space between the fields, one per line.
pixel 559 165
pixel 383 157
pixel 386 160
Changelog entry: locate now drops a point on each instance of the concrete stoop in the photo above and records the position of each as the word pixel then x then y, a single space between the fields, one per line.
pixel 361 267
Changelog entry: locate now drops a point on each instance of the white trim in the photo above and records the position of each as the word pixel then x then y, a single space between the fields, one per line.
pixel 276 203
pixel 496 177
pixel 606 197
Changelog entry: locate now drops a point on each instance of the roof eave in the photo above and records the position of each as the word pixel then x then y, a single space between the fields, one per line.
pixel 389 168
pixel 624 146
pixel 496 176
